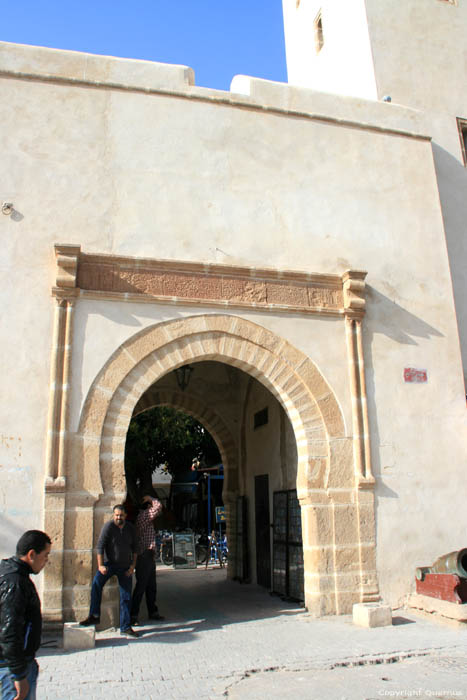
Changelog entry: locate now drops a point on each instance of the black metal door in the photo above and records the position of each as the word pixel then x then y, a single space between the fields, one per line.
pixel 262 520
pixel 242 570
pixel 288 571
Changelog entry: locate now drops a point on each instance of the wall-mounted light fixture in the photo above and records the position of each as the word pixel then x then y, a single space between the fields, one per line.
pixel 183 375
pixel 7 208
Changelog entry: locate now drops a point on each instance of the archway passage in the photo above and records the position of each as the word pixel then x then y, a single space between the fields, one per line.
pixel 337 518
pixel 169 451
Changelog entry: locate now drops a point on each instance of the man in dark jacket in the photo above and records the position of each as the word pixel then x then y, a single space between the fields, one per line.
pixel 116 556
pixel 20 616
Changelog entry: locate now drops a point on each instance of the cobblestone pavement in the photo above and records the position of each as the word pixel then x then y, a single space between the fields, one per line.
pixel 222 639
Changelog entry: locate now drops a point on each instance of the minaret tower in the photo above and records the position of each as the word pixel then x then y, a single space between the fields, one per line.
pixel 412 50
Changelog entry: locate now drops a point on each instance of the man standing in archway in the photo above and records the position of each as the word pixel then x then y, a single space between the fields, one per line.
pixel 145 564
pixel 116 556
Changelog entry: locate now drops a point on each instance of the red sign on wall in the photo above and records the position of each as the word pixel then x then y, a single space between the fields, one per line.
pixel 417 376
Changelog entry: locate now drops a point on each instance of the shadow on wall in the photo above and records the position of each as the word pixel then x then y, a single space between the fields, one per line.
pixel 394 321
pixel 388 318
pixel 452 185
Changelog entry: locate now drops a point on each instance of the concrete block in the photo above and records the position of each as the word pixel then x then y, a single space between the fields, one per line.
pixel 372 615
pixel 76 637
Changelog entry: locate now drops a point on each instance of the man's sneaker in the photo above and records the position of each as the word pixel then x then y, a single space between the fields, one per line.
pixel 134 622
pixel 129 633
pixel 91 620
pixel 156 616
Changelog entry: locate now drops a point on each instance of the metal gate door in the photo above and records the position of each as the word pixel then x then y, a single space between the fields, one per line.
pixel 263 532
pixel 288 572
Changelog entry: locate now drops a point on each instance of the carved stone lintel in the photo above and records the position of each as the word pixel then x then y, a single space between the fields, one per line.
pixel 67 264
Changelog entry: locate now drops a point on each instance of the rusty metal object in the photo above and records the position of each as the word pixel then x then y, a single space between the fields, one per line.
pixel 444 587
pixel 452 563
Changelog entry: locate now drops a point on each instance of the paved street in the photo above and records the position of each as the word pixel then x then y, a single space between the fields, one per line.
pixel 222 639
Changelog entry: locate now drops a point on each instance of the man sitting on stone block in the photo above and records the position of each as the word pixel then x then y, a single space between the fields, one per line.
pixel 116 556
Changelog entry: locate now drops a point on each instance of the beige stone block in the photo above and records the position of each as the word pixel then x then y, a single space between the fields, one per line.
pixel 54 501
pixel 347 559
pixel 318 560
pixel 53 571
pixel 341 473
pixel 77 596
pixel 146 371
pixel 314 472
pixel 77 568
pixel 342 497
pixel 346 524
pixel 292 355
pixel 348 581
pixel 94 412
pixel 332 415
pixel 54 525
pixel 189 326
pixel 371 615
pixel 102 514
pixel 113 473
pixel 317 525
pixel 146 343
pixel 267 340
pixel 52 598
pixel 366 514
pixel 368 557
pixel 76 637
pixel 52 617
pixel 79 529
pixel 345 601
pixel 309 373
pixel 220 323
pixel 116 370
pixel 320 604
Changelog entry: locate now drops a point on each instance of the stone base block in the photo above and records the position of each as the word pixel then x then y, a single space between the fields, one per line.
pixel 453 611
pixel 372 615
pixel 76 637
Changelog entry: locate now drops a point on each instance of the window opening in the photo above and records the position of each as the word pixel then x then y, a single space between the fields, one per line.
pixel 462 127
pixel 261 418
pixel 319 36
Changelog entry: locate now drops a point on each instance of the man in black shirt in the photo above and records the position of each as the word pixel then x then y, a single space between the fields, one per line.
pixel 116 556
pixel 20 616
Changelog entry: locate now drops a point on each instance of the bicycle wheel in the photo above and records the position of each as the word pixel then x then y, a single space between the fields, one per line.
pixel 201 553
pixel 167 556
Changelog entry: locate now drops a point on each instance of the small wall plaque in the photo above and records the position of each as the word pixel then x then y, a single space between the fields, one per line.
pixel 416 376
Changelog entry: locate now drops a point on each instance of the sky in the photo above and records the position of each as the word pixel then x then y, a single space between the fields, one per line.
pixel 217 38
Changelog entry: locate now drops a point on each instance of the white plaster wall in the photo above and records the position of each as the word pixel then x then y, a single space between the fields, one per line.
pixel 215 177
pixel 344 65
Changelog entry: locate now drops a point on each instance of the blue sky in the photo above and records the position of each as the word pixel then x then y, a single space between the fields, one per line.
pixel 217 38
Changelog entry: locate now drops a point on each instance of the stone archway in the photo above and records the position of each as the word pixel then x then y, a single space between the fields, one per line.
pixel 202 413
pixel 337 516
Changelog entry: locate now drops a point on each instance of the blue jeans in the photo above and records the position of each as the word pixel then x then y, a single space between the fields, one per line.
pixel 7 685
pixel 124 584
